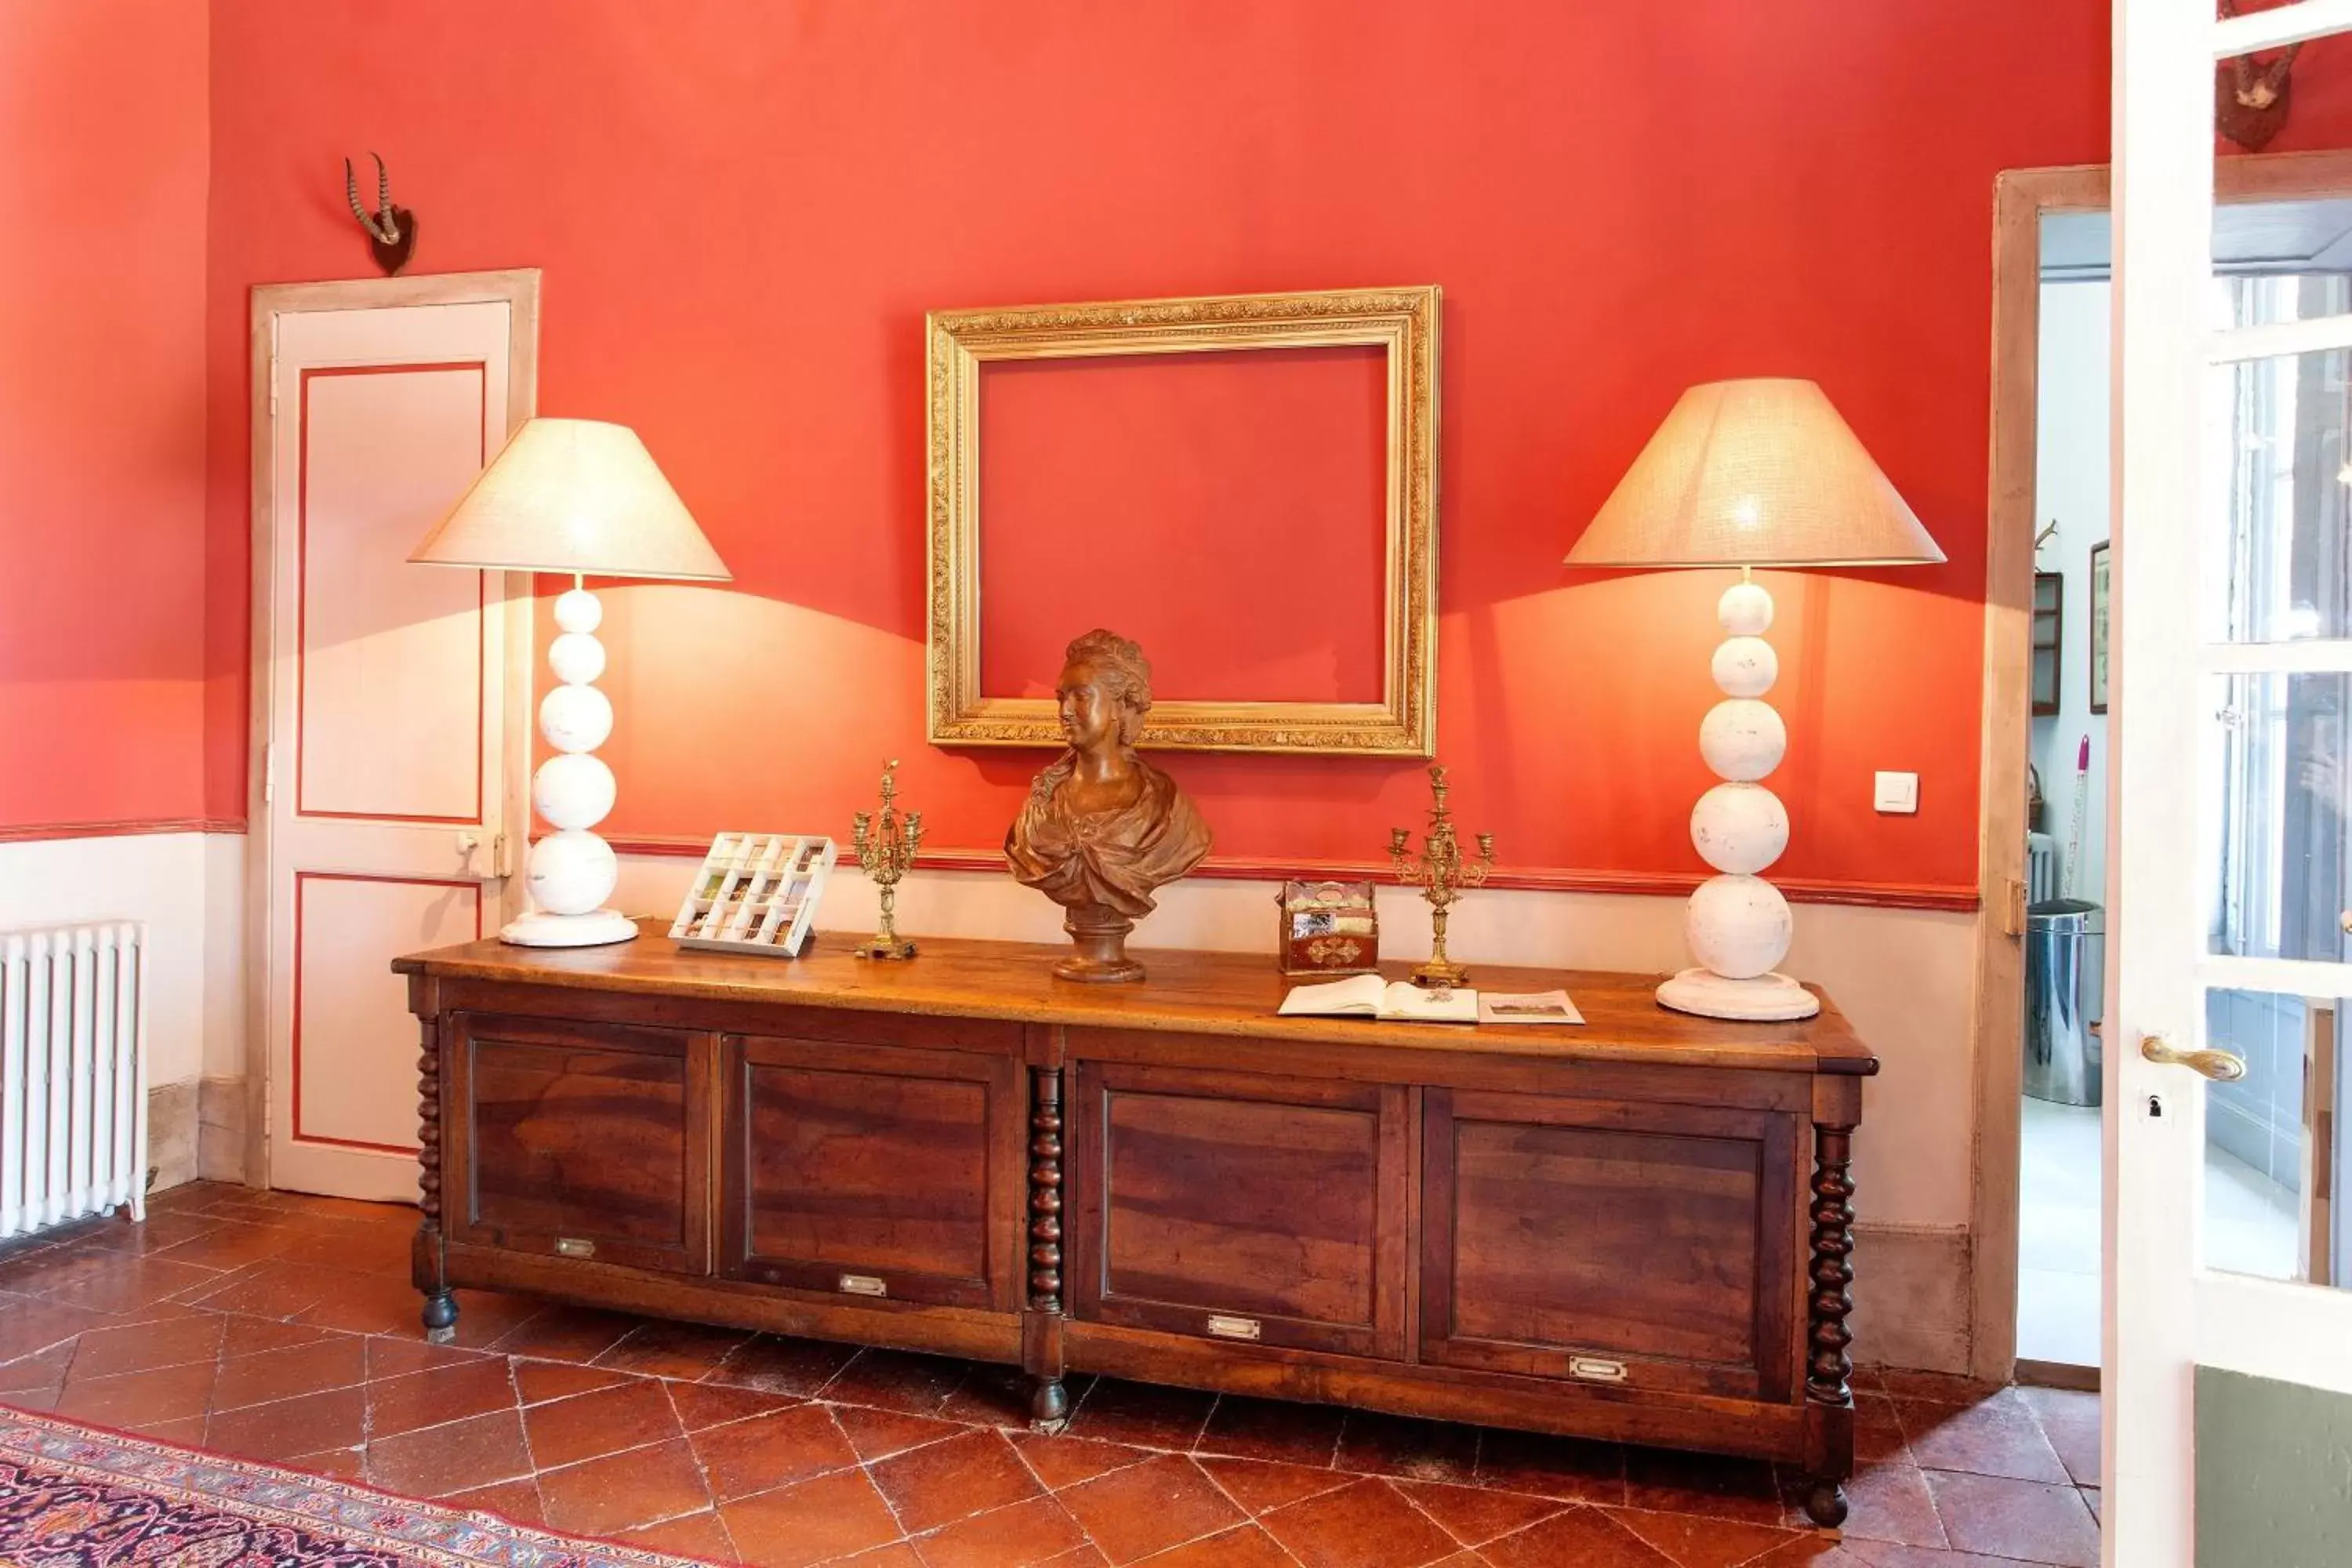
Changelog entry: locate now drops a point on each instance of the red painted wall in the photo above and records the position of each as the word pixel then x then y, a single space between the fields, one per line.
pixel 102 170
pixel 743 210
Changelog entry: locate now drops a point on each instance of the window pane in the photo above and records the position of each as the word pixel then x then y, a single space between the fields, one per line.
pixel 2273 1196
pixel 2275 564
pixel 2273 778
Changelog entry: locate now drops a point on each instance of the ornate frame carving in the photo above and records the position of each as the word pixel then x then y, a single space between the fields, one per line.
pixel 1402 321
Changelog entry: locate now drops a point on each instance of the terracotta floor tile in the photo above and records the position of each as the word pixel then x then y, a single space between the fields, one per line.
pixel 1062 1461
pixel 939 1483
pixel 43 1370
pixel 898 1554
pixel 342 1464
pixel 1018 1536
pixel 2076 1443
pixel 138 1347
pixel 397 1405
pixel 1475 1514
pixel 365 1304
pixel 1382 1445
pixel 163 1229
pixel 165 1393
pixel 541 1381
pixel 1246 1546
pixel 2060 1403
pixel 1996 1436
pixel 30 1326
pixel 1934 1386
pixel 1878 1431
pixel 375 1249
pixel 1366 1524
pixel 566 1333
pixel 1246 1428
pixel 877 1434
pixel 781 1365
pixel 1144 1414
pixel 810 1522
pixel 1688 1540
pixel 129 1281
pixel 700 1404
pixel 1569 1469
pixel 1583 1537
pixel 1165 1501
pixel 2001 1517
pixel 271 1290
pixel 1088 1556
pixel 229 1244
pixel 188 1432
pixel 1260 1485
pixel 390 1356
pixel 589 1426
pixel 897 1380
pixel 1890 1502
pixel 338 1361
pixel 672 1349
pixel 1666 1481
pixel 251 1336
pixel 700 1536
pixel 769 1451
pixel 2091 1500
pixel 626 1491
pixel 484 1317
pixel 517 1501
pixel 437 1460
pixel 305 1424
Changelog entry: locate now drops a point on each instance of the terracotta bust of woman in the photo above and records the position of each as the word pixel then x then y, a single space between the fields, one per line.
pixel 1103 827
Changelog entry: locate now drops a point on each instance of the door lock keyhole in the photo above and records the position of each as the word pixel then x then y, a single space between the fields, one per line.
pixel 2154 1107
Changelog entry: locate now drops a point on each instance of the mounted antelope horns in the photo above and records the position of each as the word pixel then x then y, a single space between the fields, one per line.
pixel 381 225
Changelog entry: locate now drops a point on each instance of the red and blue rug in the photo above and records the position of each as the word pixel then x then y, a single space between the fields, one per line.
pixel 72 1495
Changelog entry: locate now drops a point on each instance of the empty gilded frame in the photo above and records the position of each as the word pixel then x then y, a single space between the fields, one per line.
pixel 1400 322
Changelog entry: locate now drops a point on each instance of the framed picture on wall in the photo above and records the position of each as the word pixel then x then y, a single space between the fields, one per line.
pixel 2099 627
pixel 2049 603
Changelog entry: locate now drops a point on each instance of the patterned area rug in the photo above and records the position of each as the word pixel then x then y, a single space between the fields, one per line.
pixel 72 1495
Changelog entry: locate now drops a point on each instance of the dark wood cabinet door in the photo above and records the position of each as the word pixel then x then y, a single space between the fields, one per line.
pixel 1646 1246
pixel 1241 1206
pixel 580 1139
pixel 881 1172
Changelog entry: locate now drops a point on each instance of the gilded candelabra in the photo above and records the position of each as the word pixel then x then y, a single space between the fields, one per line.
pixel 886 843
pixel 1444 877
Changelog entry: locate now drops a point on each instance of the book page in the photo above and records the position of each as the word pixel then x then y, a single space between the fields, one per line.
pixel 1358 993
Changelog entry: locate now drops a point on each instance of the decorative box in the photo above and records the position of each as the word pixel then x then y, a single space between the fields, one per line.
pixel 1328 928
pixel 757 892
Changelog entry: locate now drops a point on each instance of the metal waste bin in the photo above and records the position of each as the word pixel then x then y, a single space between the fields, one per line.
pixel 2065 983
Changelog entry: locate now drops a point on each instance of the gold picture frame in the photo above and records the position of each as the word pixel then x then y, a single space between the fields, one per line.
pixel 1402 322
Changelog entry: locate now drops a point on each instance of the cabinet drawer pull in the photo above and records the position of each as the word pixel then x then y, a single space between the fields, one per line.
pixel 1592 1369
pixel 863 1284
pixel 574 1247
pixel 1232 1328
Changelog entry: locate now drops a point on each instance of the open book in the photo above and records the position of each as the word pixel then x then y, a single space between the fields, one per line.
pixel 1370 996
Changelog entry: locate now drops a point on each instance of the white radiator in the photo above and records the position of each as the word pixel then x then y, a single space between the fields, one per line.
pixel 2041 867
pixel 73 1074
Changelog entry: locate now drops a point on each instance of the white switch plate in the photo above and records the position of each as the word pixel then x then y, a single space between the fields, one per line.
pixel 1897 792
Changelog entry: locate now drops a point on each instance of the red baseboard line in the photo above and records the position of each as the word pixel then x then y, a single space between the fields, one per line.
pixel 20 833
pixel 1539 879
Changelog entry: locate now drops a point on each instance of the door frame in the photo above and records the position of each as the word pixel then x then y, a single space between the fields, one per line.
pixel 2020 198
pixel 518 289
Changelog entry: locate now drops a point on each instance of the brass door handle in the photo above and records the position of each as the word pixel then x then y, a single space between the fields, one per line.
pixel 2222 1066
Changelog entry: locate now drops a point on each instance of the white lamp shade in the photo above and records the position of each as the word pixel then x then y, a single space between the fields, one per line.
pixel 1754 473
pixel 573 495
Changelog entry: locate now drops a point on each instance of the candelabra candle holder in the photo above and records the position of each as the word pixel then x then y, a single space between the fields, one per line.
pixel 886 842
pixel 1444 877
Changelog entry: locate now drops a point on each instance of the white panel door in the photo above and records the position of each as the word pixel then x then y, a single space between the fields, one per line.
pixel 387 753
pixel 2230 881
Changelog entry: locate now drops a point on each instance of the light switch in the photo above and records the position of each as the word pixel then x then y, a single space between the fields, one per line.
pixel 1897 792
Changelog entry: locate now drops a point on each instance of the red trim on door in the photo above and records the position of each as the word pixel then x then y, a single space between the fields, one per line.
pixel 295 1021
pixel 301 583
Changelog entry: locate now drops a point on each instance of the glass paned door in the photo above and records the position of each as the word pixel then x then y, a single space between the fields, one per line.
pixel 2231 691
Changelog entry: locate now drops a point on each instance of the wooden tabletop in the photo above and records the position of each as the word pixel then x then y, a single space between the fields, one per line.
pixel 1199 992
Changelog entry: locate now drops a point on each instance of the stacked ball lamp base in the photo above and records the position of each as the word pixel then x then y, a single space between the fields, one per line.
pixel 1738 924
pixel 571 871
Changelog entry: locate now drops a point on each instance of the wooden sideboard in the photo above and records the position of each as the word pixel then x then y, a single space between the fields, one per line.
pixel 1638 1229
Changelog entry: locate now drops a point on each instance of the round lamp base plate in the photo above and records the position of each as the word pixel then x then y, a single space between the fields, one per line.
pixel 1704 993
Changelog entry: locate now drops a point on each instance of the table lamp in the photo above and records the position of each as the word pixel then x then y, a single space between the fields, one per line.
pixel 577 496
pixel 1748 474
